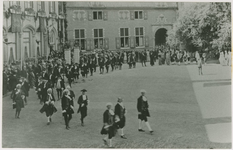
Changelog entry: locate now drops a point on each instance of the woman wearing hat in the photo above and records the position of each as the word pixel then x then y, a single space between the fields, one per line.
pixel 67 107
pixel 120 112
pixel 48 106
pixel 18 100
pixel 109 127
pixel 142 106
pixel 83 102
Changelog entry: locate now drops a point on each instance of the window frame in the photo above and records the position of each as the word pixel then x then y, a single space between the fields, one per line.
pixel 80 38
pixel 52 7
pixel 124 37
pixel 28 4
pixel 40 6
pixel 138 36
pixel 98 38
pixel 98 11
pixel 138 11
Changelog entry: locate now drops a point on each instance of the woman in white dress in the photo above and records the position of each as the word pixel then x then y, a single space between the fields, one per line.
pixel 229 58
pixel 221 58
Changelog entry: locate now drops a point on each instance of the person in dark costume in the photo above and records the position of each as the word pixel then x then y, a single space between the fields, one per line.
pixel 18 100
pixel 44 90
pixel 152 58
pixel 48 106
pixel 107 63
pixel 67 107
pixel 39 88
pixel 83 102
pixel 109 127
pixel 69 75
pixel 120 112
pixel 142 107
pixel 25 88
pixel 75 70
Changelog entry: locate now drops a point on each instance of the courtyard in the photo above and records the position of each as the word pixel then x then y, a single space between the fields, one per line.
pixel 187 111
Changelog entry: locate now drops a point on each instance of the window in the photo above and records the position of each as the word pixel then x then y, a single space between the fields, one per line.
pixel 60 7
pixel 41 6
pixel 139 34
pixel 98 38
pixel 138 14
pixel 124 37
pixel 51 7
pixel 79 35
pixel 12 3
pixel 28 4
pixel 97 15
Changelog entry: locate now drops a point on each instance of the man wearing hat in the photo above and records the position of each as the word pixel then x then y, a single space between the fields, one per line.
pixel 83 102
pixel 142 106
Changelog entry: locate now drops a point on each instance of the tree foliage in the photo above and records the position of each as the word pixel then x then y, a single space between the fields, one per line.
pixel 203 26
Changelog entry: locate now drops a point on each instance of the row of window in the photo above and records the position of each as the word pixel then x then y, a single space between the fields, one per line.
pixel 80 37
pixel 40 5
pixel 98 15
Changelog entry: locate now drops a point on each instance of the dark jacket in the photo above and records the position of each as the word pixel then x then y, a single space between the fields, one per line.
pixel 119 110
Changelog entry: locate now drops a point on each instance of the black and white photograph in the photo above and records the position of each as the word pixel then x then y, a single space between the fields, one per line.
pixel 116 74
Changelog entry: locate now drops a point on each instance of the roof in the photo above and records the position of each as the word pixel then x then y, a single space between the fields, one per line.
pixel 115 4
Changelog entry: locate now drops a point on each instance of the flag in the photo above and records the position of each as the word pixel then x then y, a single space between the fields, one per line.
pixel 15 23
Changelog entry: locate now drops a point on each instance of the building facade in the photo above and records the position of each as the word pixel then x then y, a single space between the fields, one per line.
pixel 31 29
pixel 119 25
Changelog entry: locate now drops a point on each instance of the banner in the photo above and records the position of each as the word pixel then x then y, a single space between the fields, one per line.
pixel 68 56
pixel 15 23
pixel 76 55
pixel 42 24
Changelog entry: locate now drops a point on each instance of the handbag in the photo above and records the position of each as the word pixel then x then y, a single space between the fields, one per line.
pixel 14 105
pixel 104 130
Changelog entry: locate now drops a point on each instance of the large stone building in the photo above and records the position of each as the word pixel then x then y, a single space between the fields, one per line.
pixel 119 25
pixel 30 29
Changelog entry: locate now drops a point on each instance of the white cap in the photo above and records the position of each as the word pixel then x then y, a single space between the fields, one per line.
pixel 143 91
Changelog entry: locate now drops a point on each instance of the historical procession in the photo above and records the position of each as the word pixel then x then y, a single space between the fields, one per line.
pixel 116 74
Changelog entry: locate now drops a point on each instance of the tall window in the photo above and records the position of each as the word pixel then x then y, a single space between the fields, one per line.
pixel 139 34
pixel 124 35
pixel 80 38
pixel 41 6
pixel 97 15
pixel 12 3
pixel 28 4
pixel 98 38
pixel 51 6
pixel 60 7
pixel 138 14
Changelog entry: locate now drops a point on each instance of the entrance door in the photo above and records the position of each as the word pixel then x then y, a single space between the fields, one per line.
pixel 160 36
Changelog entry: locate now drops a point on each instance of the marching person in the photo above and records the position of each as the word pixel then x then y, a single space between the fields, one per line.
pixel 142 107
pixel 120 112
pixel 18 100
pixel 60 85
pixel 83 102
pixel 25 88
pixel 75 70
pixel 67 107
pixel 49 107
pixel 109 124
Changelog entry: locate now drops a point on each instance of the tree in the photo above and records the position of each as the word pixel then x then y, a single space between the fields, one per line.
pixel 204 26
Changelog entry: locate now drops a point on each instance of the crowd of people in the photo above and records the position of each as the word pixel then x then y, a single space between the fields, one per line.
pixel 46 77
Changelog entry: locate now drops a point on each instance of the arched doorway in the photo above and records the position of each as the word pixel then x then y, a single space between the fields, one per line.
pixel 160 36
